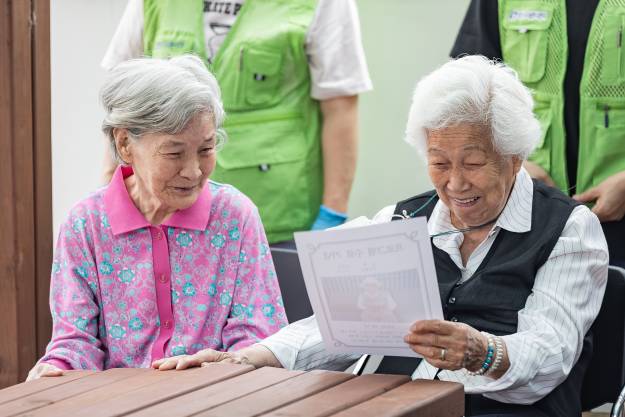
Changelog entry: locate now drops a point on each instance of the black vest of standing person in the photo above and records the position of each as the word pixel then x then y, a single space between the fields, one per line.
pixel 491 299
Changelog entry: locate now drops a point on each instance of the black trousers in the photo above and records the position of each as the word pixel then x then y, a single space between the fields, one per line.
pixel 479 406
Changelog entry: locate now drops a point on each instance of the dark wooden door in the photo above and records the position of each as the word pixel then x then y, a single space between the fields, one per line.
pixel 25 185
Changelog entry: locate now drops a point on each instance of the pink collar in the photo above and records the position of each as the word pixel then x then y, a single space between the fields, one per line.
pixel 124 216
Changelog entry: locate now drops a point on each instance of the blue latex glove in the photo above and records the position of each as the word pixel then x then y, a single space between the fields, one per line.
pixel 328 218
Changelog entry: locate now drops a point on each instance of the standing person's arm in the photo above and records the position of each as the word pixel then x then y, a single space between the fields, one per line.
pixel 338 73
pixel 339 143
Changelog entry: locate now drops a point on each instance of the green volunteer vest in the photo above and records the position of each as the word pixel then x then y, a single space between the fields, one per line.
pixel 273 154
pixel 534 43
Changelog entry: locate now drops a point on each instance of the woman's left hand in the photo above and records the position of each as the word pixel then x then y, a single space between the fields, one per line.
pixel 448 345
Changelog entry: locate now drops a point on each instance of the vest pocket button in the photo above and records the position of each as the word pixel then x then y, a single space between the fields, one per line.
pixel 263 167
pixel 454 319
pixel 452 300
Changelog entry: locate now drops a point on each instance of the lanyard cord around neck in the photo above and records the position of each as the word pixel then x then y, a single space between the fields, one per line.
pixel 405 215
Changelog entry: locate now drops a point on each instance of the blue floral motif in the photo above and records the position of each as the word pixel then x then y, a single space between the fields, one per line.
pixel 106 268
pixel 234 233
pixel 188 289
pixel 175 296
pixel 184 239
pixel 79 224
pixel 242 256
pixel 178 350
pixel 81 323
pixel 56 267
pixel 81 272
pixel 212 290
pixel 225 299
pixel 126 275
pixel 268 310
pixel 117 332
pixel 104 221
pixel 218 241
pixel 135 324
pixel 237 310
pixel 201 307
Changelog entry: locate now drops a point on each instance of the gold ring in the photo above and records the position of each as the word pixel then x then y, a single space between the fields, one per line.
pixel 443 354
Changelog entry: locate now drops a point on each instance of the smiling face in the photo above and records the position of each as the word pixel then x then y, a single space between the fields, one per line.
pixel 170 170
pixel 470 177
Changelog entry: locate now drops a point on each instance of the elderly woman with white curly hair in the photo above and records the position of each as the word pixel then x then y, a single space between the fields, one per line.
pixel 162 261
pixel 521 267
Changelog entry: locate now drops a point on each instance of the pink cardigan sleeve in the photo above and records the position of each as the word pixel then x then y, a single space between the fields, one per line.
pixel 73 300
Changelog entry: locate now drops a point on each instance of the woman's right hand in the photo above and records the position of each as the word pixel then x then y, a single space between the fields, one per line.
pixel 197 359
pixel 43 369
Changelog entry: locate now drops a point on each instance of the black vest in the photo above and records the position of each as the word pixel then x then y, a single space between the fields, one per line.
pixel 491 299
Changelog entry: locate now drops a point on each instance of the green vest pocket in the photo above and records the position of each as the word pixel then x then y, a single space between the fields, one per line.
pixel 609 140
pixel 262 74
pixel 525 41
pixel 613 65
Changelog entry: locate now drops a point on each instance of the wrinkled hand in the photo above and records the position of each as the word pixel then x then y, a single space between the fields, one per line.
pixel 609 198
pixel 536 171
pixel 464 346
pixel 200 358
pixel 43 370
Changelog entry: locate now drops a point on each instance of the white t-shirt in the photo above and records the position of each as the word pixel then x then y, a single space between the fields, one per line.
pixel 333 44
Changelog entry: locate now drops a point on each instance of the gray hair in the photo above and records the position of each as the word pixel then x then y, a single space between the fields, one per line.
pixel 475 90
pixel 149 95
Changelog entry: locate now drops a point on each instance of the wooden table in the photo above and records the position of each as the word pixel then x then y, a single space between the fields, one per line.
pixel 230 390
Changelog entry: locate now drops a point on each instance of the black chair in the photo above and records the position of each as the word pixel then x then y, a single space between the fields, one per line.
pixel 291 280
pixel 606 374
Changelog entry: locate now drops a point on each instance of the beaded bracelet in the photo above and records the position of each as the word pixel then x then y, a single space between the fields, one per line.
pixel 490 352
pixel 498 354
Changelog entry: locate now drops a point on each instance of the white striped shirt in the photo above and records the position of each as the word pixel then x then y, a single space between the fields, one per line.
pixel 564 302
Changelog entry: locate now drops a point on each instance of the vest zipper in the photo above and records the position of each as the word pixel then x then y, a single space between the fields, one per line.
pixel 606 116
pixel 619 44
pixel 241 58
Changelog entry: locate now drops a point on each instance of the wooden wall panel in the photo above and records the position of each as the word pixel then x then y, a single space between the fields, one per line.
pixel 25 200
pixel 43 168
pixel 8 291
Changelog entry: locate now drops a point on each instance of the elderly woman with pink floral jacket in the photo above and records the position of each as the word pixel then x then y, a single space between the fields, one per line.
pixel 162 261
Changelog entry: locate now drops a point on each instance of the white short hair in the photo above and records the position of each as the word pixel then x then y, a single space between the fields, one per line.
pixel 475 90
pixel 150 95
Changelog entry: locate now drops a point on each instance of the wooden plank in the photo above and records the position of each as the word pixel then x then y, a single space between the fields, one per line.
pixel 279 395
pixel 178 383
pixel 42 154
pixel 28 388
pixel 419 398
pixel 342 396
pixel 218 394
pixel 61 392
pixel 80 404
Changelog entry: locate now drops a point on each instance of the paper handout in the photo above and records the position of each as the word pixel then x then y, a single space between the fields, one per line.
pixel 368 284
